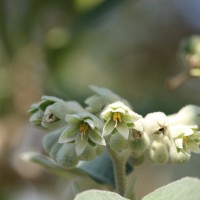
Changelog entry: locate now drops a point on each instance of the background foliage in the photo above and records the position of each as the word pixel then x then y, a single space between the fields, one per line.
pixel 60 47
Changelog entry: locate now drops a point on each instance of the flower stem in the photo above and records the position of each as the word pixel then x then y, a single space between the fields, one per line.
pixel 119 160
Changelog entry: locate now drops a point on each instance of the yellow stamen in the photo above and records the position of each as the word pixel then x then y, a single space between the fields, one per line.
pixel 83 128
pixel 117 117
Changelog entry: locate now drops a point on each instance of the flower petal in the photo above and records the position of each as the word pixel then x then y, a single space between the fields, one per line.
pixel 59 109
pixel 122 128
pixel 193 147
pixel 188 131
pixel 196 135
pixel 80 143
pixel 90 123
pixel 69 134
pixel 131 117
pixel 108 127
pixel 120 110
pixel 72 119
pixel 106 114
pixel 179 143
pixel 96 137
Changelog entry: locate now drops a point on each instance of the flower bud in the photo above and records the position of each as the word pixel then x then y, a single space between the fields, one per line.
pixel 100 149
pixel 158 152
pixel 50 112
pixel 54 149
pixel 155 125
pixel 117 142
pixel 89 153
pixel 66 156
pixel 136 161
pixel 50 139
pixel 139 143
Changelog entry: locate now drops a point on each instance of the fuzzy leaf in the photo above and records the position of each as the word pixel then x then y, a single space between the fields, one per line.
pixel 184 189
pixel 49 164
pixel 99 195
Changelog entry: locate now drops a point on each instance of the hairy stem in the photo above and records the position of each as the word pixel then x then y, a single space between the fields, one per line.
pixel 119 160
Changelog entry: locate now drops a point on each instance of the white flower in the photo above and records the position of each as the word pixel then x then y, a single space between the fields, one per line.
pixel 82 128
pixel 186 138
pixel 118 117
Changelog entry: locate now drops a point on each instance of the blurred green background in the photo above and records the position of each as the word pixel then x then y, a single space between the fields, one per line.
pixel 60 47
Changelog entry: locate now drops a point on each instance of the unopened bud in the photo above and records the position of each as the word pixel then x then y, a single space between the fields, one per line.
pixel 158 153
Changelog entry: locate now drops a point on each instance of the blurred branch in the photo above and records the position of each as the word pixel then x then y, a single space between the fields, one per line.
pixel 81 24
pixel 4 31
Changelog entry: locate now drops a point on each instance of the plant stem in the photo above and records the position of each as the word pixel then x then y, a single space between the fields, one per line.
pixel 130 190
pixel 119 164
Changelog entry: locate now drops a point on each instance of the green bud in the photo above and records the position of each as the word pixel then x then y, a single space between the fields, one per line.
pixel 66 156
pixel 117 142
pixel 54 149
pixel 137 155
pixel 50 139
pixel 50 112
pixel 136 161
pixel 158 152
pixel 89 153
pixel 140 141
pixel 100 149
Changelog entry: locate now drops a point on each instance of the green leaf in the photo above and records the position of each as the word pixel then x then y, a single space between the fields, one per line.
pixel 50 165
pixel 184 189
pixel 107 95
pixel 99 195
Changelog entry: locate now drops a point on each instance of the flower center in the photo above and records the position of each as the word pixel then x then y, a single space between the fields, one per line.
pixel 49 118
pixel 83 128
pixel 117 117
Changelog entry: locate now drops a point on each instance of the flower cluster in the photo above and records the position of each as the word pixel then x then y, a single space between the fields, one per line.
pixel 78 133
